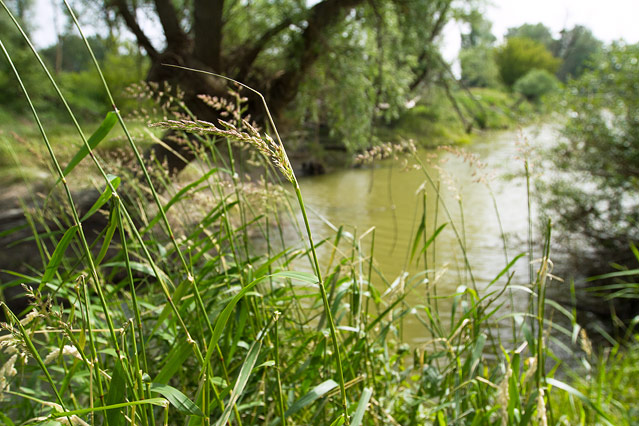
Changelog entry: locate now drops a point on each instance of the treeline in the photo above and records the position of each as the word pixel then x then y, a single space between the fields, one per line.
pixel 530 61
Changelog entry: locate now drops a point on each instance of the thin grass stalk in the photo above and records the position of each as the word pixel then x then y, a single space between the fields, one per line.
pixel 458 236
pixel 144 390
pixel 149 182
pixel 96 162
pixel 278 367
pixel 316 266
pixel 542 275
pixel 74 212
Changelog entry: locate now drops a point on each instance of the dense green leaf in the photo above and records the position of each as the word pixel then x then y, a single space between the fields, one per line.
pixel 93 141
pixel 57 256
pixel 180 401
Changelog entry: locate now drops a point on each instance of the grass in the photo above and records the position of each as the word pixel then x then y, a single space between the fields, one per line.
pixel 185 309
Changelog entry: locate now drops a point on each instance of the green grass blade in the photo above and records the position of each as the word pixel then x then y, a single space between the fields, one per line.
pixel 315 393
pixel 574 392
pixel 361 407
pixel 93 141
pixel 153 401
pixel 177 399
pixel 116 395
pixel 104 197
pixel 338 421
pixel 57 256
pixel 432 238
pixel 242 379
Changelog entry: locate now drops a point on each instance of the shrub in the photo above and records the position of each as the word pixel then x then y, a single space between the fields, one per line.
pixel 521 55
pixel 535 84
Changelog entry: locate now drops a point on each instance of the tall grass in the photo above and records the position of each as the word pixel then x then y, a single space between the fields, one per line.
pixel 175 312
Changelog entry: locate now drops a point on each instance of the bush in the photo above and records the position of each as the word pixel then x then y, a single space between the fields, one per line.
pixel 521 55
pixel 594 195
pixel 536 84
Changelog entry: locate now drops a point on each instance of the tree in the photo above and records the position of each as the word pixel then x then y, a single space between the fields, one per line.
pixel 593 194
pixel 537 32
pixel 577 48
pixel 520 55
pixel 75 56
pixel 478 67
pixel 535 84
pixel 283 48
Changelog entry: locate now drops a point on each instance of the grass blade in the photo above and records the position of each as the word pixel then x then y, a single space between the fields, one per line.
pixel 177 399
pixel 361 407
pixel 57 256
pixel 93 141
pixel 315 393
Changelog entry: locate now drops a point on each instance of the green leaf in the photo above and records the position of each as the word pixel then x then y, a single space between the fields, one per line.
pixel 177 399
pixel 361 407
pixel 154 401
pixel 114 221
pixel 223 317
pixel 338 421
pixel 117 391
pixel 104 197
pixel 565 387
pixel 432 238
pixel 300 276
pixel 418 235
pixel 174 360
pixel 97 137
pixel 57 256
pixel 242 379
pixel 6 420
pixel 315 393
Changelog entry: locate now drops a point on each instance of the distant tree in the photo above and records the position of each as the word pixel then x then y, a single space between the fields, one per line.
pixel 74 55
pixel 593 194
pixel 576 47
pixel 478 67
pixel 10 93
pixel 535 84
pixel 480 33
pixel 538 32
pixel 518 56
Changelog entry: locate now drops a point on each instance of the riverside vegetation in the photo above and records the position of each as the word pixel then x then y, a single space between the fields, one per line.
pixel 173 315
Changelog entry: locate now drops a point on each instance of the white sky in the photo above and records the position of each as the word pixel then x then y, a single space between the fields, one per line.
pixel 608 19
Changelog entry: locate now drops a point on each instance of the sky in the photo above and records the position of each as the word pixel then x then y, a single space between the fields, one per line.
pixel 609 20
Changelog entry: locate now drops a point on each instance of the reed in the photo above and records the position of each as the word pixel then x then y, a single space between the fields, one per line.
pixel 197 307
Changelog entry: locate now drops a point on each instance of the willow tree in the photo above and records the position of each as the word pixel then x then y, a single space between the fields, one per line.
pixel 343 63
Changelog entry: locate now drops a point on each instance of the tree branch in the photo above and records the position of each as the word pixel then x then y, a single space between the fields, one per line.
pixel 322 16
pixel 132 24
pixel 207 28
pixel 176 39
pixel 251 53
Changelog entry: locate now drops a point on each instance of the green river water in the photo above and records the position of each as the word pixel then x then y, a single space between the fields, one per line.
pixel 388 198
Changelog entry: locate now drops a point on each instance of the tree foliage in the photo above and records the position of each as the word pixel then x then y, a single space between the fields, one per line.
pixel 518 56
pixel 336 63
pixel 535 84
pixel 537 32
pixel 577 48
pixel 478 67
pixel 595 192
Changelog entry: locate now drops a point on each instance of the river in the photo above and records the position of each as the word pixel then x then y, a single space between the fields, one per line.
pixel 387 197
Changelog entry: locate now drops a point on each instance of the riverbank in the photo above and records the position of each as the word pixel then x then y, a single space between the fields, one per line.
pixel 185 317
